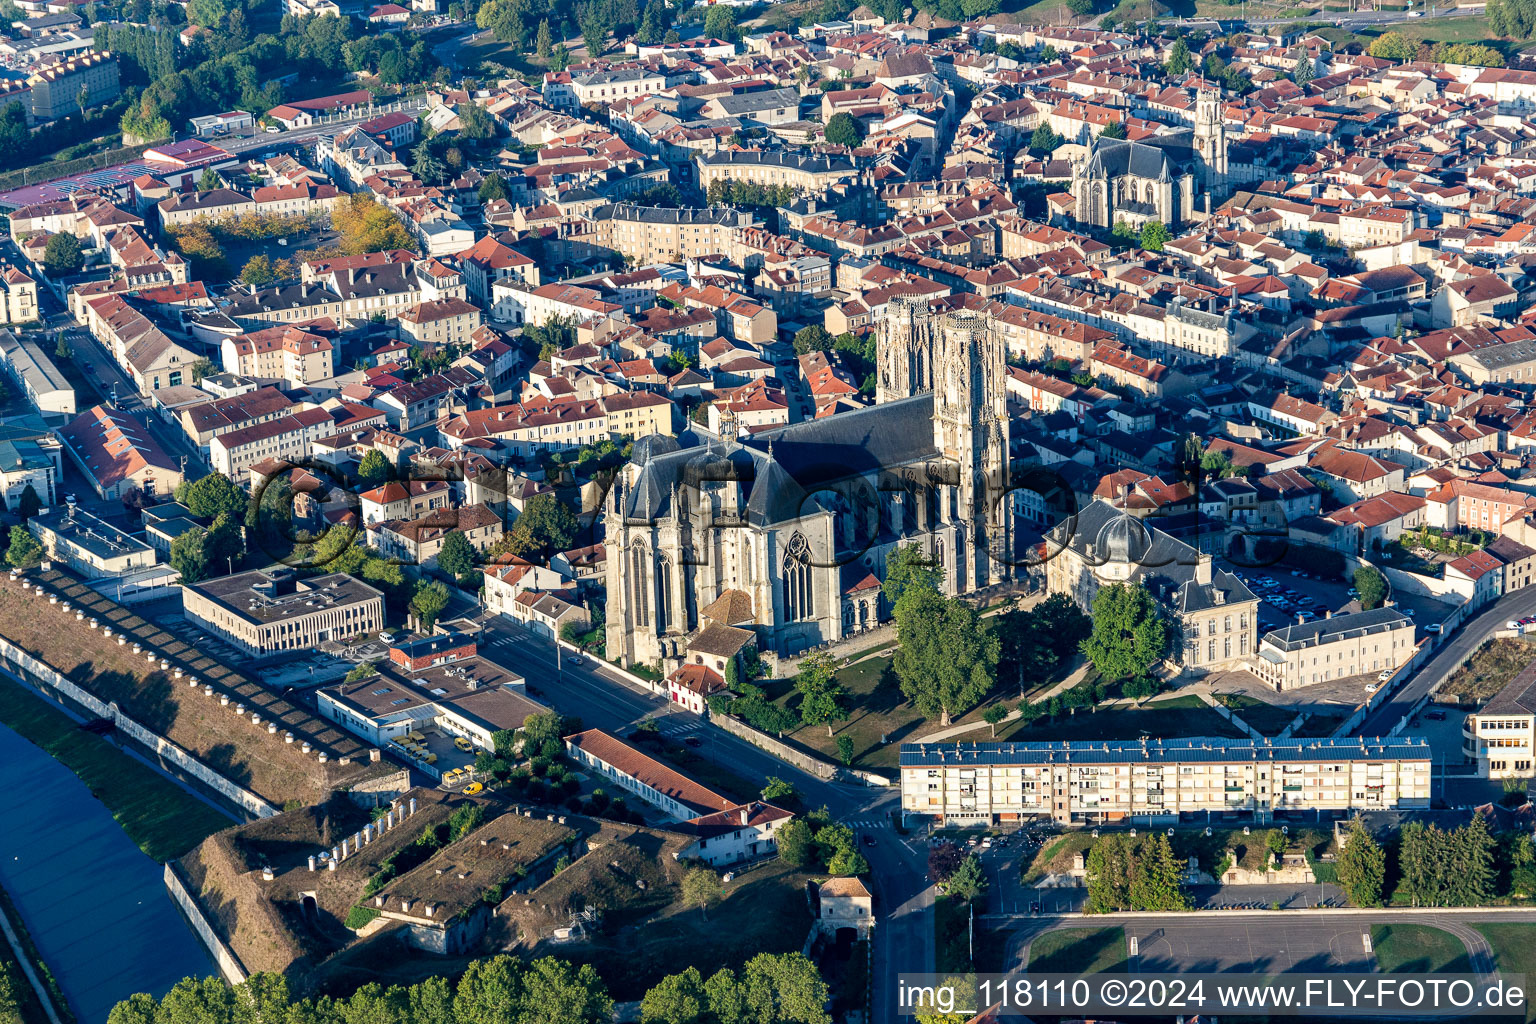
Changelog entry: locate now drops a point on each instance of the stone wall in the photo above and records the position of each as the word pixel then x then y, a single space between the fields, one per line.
pixel 229 964
pixel 43 675
pixel 783 751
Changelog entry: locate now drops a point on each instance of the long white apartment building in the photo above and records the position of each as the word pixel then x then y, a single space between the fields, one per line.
pixel 1161 781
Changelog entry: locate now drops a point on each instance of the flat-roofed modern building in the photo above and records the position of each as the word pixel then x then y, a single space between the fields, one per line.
pixel 1500 735
pixel 1340 646
pixel 468 697
pixel 90 546
pixel 272 609
pixel 47 388
pixel 1161 781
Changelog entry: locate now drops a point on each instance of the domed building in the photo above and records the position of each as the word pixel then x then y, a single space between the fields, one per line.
pixel 1213 611
pixel 790 528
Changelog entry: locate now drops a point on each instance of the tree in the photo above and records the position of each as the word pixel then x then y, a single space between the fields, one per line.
pixel 845 750
pixel 1157 877
pixel 1109 865
pixel 258 270
pixel 1128 633
pixel 814 338
pixel 1475 872
pixel 1361 866
pixel 1044 140
pixel 428 602
pixel 25 552
pixel 843 129
pixel 947 659
pixel 675 999
pixel 224 545
pixel 700 888
pixel 776 788
pixel 540 730
pixel 720 23
pixel 795 843
pixel 1179 60
pixel 821 696
pixel 543 44
pixel 492 188
pixel 1305 70
pixel 847 862
pixel 968 880
pixel 189 555
pixel 1392 46
pixel 29 504
pixel 1372 586
pixel 1113 130
pixel 211 496
pixel 428 166
pixel 545 526
pixel 560 59
pixel 62 255
pixel 209 179
pixel 374 469
pixel 457 556
pixel 594 32
pixel 909 566
pixel 202 367
pixel 1155 235
pixel 782 987
pixel 994 716
pixel 366 225
pixel 944 859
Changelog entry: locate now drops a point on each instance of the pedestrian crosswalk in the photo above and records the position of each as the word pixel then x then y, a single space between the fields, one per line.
pixel 867 823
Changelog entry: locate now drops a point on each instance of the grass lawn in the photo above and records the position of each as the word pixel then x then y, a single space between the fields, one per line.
pixel 1418 948
pixel 763 911
pixel 1170 717
pixel 1319 725
pixel 1079 951
pixel 881 719
pixel 1266 718
pixel 158 815
pixel 1514 952
pixel 1055 857
pixel 1490 668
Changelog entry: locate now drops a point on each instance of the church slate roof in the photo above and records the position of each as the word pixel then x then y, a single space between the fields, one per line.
pixel 780 470
pixel 1115 158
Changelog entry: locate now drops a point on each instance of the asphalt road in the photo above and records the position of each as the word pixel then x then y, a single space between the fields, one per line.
pixel 1468 638
pixel 904 900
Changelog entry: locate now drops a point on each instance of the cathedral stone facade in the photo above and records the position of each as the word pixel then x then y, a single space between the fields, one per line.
pixel 790 528
pixel 1155 179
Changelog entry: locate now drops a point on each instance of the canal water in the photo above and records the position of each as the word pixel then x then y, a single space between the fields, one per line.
pixel 95 904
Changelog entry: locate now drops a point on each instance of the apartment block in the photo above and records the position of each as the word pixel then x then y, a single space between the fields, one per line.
pixel 1161 781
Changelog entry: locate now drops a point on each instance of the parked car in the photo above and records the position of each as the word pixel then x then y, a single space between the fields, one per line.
pixel 1434 627
pixel 1383 677
pixel 1436 716
pixel 1372 687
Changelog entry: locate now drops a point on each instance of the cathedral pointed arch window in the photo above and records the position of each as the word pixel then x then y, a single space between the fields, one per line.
pixel 664 616
pixel 799 591
pixel 640 582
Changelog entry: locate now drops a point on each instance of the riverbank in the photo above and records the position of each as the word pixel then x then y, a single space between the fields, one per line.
pixel 20 979
pixel 162 818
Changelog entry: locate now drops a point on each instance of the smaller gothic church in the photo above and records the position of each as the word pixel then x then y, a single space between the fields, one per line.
pixel 1157 178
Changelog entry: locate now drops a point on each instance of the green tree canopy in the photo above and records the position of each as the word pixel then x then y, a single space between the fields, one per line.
pixel 720 23
pixel 843 129
pixel 908 566
pixel 457 555
pixel 1128 635
pixel 1372 586
pixel 428 602
pixel 814 338
pixel 61 256
pixel 947 659
pixel 1361 866
pixel 1392 46
pixel 1155 235
pixel 374 469
pixel 1179 59
pixel 211 496
pixel 24 551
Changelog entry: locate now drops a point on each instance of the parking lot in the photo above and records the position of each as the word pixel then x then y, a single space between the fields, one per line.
pixel 1288 596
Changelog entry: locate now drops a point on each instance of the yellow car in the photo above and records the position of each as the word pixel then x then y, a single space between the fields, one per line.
pixel 462 743
pixel 473 788
pixel 452 774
